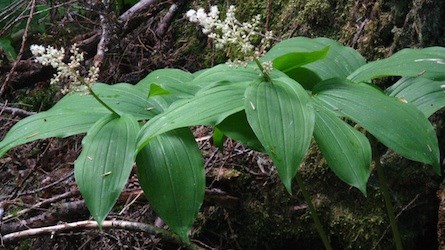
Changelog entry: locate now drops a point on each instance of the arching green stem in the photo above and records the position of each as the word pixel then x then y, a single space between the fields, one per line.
pixel 387 197
pixel 82 80
pixel 100 100
pixel 264 73
pixel 314 214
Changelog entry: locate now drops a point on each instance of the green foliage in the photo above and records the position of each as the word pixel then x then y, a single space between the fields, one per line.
pixel 103 167
pixel 387 118
pixel 428 63
pixel 283 120
pixel 427 95
pixel 347 151
pixel 318 88
pixel 6 47
pixel 171 173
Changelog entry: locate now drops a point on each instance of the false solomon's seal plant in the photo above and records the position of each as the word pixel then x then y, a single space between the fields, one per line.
pixel 276 101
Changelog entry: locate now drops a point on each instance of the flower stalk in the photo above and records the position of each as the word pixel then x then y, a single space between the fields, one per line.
pixel 69 72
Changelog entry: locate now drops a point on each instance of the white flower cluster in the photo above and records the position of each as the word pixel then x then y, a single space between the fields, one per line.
pixel 65 71
pixel 235 36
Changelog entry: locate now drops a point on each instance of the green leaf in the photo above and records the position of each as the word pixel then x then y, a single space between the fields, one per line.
pixel 347 151
pixel 282 118
pixel 398 125
pixel 103 167
pixel 224 73
pixel 125 98
pixel 73 114
pixel 157 90
pixel 174 81
pixel 294 60
pixel 340 61
pixel 237 127
pixel 8 49
pixel 428 63
pixel 208 107
pixel 171 173
pixel 218 138
pixel 427 95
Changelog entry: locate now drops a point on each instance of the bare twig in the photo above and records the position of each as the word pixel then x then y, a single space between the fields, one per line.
pixel 43 203
pixel 39 189
pixel 82 225
pixel 359 32
pixel 15 111
pixel 135 10
pixel 268 10
pixel 166 20
pixel 22 48
pixel 102 46
pixel 397 216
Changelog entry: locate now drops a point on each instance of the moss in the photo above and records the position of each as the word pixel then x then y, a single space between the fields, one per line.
pixel 38 99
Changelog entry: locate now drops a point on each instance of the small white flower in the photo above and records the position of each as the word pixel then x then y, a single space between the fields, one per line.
pixel 267 66
pixel 65 71
pixel 191 14
pixel 230 33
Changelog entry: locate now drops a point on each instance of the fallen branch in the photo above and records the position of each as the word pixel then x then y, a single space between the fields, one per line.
pixel 67 211
pixel 43 203
pixel 135 10
pixel 82 225
pixel 167 19
pixel 15 111
pixel 106 33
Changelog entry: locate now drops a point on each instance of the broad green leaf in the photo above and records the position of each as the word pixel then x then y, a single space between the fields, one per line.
pixel 209 107
pixel 346 150
pixel 307 78
pixel 398 125
pixel 282 118
pixel 73 114
pixel 103 167
pixel 340 61
pixel 428 63
pixel 237 127
pixel 8 49
pixel 294 60
pixel 125 98
pixel 174 81
pixel 427 95
pixel 171 173
pixel 225 73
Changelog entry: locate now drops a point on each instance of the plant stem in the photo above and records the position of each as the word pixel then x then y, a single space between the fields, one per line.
pixel 82 80
pixel 389 207
pixel 263 71
pixel 313 212
pixel 100 100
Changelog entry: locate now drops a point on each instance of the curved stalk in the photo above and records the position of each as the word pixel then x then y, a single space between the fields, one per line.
pixel 263 71
pixel 313 212
pixel 100 100
pixel 82 80
pixel 387 197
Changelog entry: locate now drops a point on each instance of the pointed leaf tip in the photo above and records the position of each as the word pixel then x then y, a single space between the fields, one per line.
pixel 102 169
pixel 171 173
pixel 283 122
